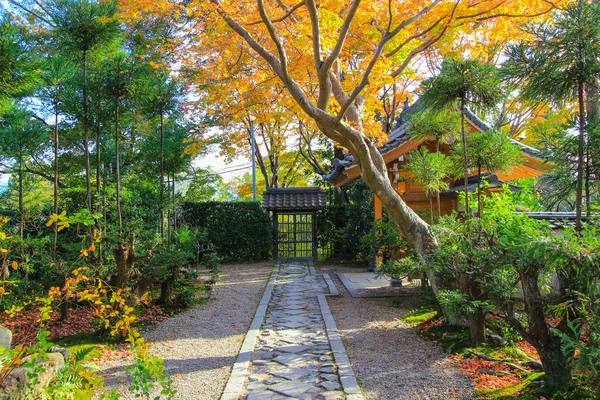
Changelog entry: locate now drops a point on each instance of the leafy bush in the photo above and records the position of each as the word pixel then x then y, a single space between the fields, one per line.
pixel 341 227
pixel 239 231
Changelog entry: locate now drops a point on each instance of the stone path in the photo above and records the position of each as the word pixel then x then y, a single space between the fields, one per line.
pixel 298 353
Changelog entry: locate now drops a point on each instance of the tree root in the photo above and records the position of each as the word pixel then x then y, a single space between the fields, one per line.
pixel 506 361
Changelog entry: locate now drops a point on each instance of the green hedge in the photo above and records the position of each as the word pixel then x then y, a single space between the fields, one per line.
pixel 340 228
pixel 240 231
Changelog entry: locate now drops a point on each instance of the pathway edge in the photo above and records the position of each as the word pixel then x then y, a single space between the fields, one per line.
pixel 345 371
pixel 235 383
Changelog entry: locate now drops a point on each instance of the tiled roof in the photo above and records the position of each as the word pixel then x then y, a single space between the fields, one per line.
pixel 294 199
pixel 401 135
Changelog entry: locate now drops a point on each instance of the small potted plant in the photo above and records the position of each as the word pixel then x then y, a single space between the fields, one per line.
pixel 396 270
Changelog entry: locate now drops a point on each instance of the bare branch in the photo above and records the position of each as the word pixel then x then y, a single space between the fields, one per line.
pixel 335 53
pixel 412 19
pixel 275 37
pixel 418 50
pixel 283 18
pixel 415 36
pixel 28 11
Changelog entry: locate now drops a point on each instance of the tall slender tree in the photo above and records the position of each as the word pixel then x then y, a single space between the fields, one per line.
pixel 82 26
pixel 57 73
pixel 463 83
pixel 159 94
pixel 562 59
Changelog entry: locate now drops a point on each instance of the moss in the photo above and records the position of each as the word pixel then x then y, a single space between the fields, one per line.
pixel 527 389
pixel 421 314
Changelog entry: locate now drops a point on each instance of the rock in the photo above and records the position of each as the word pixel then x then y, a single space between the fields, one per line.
pixel 65 352
pixel 15 385
pixel 5 337
pixel 329 386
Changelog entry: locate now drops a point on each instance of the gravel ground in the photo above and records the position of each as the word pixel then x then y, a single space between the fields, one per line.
pixel 389 359
pixel 200 345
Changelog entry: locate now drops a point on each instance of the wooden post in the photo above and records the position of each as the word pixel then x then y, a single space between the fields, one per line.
pixel 378 216
pixel 275 235
pixel 314 236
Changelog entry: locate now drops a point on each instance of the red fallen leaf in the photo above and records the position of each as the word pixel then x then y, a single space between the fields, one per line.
pixel 233 326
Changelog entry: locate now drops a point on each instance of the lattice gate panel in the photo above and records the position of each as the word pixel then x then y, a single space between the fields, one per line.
pixel 295 235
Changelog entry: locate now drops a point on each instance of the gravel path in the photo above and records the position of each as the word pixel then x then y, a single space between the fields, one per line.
pixel 389 359
pixel 200 345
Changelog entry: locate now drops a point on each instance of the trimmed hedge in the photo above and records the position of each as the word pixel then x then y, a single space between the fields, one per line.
pixel 240 231
pixel 340 229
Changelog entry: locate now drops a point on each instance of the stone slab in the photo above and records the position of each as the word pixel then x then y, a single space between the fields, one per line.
pixel 291 388
pixel 364 284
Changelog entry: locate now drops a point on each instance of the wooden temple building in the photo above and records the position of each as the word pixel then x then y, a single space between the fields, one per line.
pixel 400 143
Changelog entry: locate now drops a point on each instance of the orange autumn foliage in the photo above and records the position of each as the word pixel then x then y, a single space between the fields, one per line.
pixel 233 82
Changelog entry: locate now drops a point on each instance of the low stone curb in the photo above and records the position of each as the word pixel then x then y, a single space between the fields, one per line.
pixel 333 290
pixel 311 268
pixel 235 384
pixel 347 378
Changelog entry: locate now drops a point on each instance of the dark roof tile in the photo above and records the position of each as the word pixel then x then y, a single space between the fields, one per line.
pixel 294 199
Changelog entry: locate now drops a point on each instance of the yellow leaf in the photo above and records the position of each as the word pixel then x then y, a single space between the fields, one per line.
pixel 15 265
pixel 92 247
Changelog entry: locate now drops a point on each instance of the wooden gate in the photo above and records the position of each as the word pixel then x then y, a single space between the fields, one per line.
pixel 295 235
pixel 294 212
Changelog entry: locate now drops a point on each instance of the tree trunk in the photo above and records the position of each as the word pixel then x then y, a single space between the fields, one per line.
pixel 86 145
pixel 161 214
pixel 479 192
pixel 431 208
pixel 477 327
pixel 169 208
pixel 166 290
pixel 548 344
pixel 118 169
pixel 338 197
pixel 465 159
pixel 125 259
pixel 21 216
pixel 580 148
pixel 55 195
pixel 174 204
pixel 98 154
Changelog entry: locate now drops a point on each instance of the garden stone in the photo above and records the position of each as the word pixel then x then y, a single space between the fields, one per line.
pixel 329 377
pixel 291 388
pixel 5 338
pixel 330 385
pixel 263 395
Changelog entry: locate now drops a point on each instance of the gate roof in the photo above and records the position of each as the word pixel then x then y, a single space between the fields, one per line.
pixel 294 199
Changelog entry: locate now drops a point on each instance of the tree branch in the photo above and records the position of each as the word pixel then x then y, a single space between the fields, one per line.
pixel 38 16
pixel 286 16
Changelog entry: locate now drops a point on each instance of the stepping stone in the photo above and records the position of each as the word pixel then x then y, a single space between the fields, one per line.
pixel 330 386
pixel 290 374
pixel 294 307
pixel 256 386
pixel 291 388
pixel 294 312
pixel 292 349
pixel 332 395
pixel 272 381
pixel 290 359
pixel 329 377
pixel 296 318
pixel 327 370
pixel 292 324
pixel 262 395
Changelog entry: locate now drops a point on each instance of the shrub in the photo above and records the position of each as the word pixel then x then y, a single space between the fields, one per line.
pixel 340 229
pixel 240 231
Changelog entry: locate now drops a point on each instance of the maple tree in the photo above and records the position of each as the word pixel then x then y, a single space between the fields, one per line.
pixel 332 59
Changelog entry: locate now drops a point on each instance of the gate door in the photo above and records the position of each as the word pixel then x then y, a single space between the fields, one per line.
pixel 296 235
